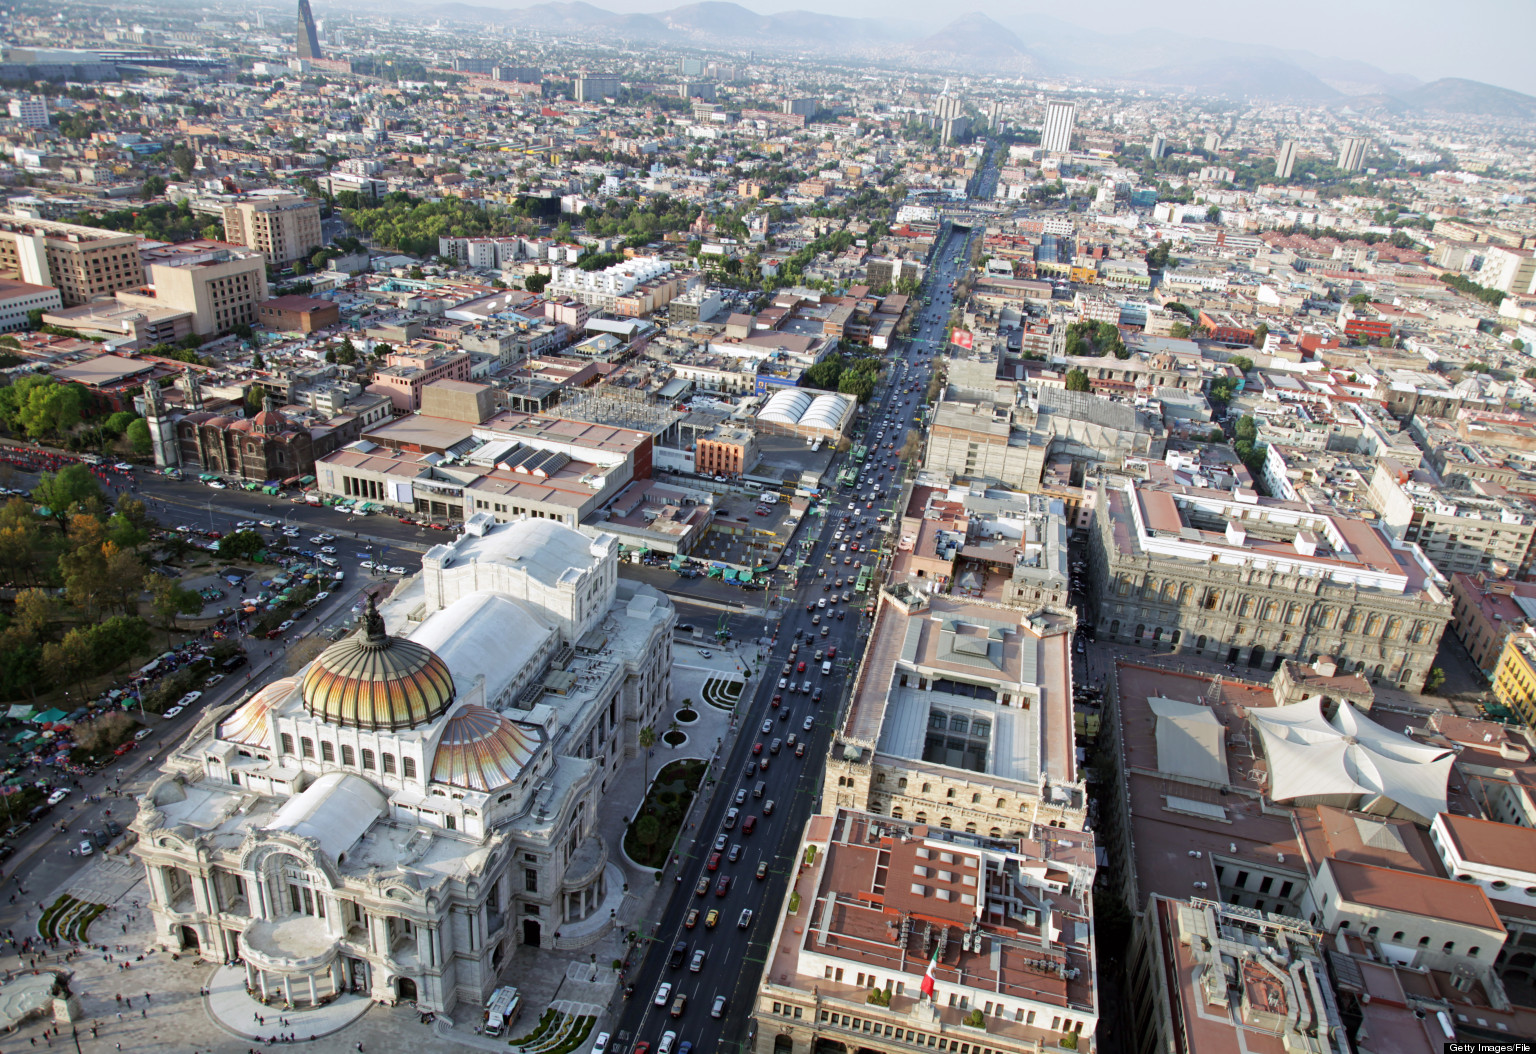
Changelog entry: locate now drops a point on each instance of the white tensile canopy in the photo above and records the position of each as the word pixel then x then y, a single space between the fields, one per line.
pixel 1310 756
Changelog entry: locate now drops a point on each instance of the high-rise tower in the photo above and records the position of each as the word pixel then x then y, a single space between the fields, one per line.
pixel 309 39
pixel 1056 136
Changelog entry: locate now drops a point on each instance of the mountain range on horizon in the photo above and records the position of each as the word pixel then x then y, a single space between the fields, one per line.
pixel 1032 46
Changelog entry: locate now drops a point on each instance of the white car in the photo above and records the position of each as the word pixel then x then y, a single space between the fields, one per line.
pixel 366 565
pixel 174 711
pixel 397 570
pixel 322 595
pixel 189 699
pixel 243 524
pixel 317 540
pixel 664 993
pixel 328 550
pixel 141 733
pixel 600 1045
pixel 86 848
pixel 58 796
pixel 269 524
pixel 326 537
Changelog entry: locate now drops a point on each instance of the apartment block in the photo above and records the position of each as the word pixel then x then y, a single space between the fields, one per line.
pixel 1459 530
pixel 82 262
pixel 726 451
pixel 19 298
pixel 1514 678
pixel 285 227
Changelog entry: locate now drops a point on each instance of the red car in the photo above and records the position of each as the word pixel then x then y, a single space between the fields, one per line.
pixel 757 748
pixel 832 652
pixel 777 700
pixel 723 886
pixel 800 668
pixel 124 748
pixel 714 862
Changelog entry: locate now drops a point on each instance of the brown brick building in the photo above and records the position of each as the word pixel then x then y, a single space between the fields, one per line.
pixel 297 314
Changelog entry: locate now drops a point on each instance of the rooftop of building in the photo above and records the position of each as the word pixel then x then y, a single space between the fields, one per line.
pixel 855 909
pixel 956 643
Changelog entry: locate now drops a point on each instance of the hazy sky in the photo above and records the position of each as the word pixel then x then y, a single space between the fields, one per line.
pixel 1486 40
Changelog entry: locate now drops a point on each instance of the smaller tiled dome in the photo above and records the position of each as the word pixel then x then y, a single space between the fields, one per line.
pixel 249 725
pixel 481 750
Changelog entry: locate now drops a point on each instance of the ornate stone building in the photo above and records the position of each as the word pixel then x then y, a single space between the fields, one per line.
pixel 1254 581
pixel 422 799
pixel 961 718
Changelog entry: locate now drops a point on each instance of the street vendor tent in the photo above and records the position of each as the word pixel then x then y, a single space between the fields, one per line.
pixel 48 717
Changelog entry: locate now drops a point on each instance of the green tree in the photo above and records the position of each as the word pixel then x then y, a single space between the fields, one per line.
pixel 70 661
pixel 35 318
pixel 1179 331
pixel 1077 381
pixel 35 612
pixel 1360 299
pixel 1242 362
pixel 1434 680
pixel 130 524
pixel 1260 334
pixel 137 434
pixel 1247 428
pixel 1213 214
pixel 183 159
pixel 169 599
pixel 241 545
pixel 535 283
pixel 1157 258
pixel 152 187
pixel 62 491
pixel 647 830
pixel 38 406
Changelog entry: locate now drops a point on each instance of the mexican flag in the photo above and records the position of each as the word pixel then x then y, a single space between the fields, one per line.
pixel 928 977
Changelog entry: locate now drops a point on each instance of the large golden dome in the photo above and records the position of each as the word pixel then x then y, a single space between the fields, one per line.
pixel 481 750
pixel 374 681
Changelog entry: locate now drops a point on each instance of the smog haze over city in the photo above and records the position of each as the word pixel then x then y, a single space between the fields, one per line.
pixel 654 528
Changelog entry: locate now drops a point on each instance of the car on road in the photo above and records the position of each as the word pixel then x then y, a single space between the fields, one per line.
pixel 757 748
pixel 741 796
pixel 86 848
pixel 723 886
pixel 664 993
pixel 808 723
pixel 668 1041
pixel 717 1009
pixel 735 853
pixel 189 699
pixel 692 919
pixel 720 839
pixel 269 524
pixel 712 918
pixel 744 919
pixel 397 570
pixel 702 888
pixel 600 1045
pixel 767 727
pixel 58 796
pixel 174 711
pixel 799 750
pixel 141 733
pixel 714 862
pixel 366 565
pixel 762 870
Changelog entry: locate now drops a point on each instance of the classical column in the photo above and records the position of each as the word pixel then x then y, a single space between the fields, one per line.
pixel 287 991
pixel 314 1000
pixel 250 975
pixel 261 975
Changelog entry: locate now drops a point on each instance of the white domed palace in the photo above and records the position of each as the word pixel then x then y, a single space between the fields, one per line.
pixel 422 798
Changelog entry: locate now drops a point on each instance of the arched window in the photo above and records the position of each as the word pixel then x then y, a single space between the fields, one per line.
pixel 921 817
pixel 970 828
pixel 975 799
pixel 995 833
pixel 959 724
pixel 1141 631
pixel 946 823
pixel 937 719
pixel 901 783
pixel 1472 951
pixel 927 788
pixel 1114 628
pixel 1200 642
pixel 879 778
pixel 896 812
pixel 1002 803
